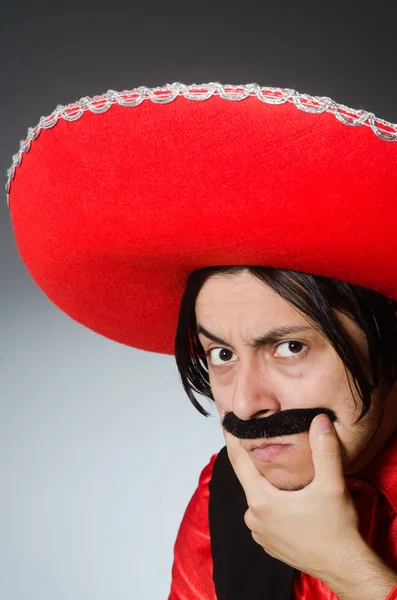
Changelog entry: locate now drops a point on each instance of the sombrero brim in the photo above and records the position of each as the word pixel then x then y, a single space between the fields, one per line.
pixel 112 210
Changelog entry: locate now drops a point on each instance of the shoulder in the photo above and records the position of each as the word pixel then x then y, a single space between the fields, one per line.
pixel 200 498
pixel 192 568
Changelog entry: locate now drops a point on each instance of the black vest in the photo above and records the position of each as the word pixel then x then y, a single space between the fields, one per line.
pixel 242 570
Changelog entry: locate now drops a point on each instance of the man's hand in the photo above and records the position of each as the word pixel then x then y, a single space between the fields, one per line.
pixel 314 530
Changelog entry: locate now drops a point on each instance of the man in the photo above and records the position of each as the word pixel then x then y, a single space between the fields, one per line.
pixel 294 366
pixel 137 205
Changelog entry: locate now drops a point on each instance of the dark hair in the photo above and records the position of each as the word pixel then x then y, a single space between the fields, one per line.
pixel 315 297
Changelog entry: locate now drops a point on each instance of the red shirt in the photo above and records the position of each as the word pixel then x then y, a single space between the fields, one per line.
pixel 373 489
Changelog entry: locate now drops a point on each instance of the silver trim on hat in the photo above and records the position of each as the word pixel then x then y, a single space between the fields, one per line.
pixel 163 95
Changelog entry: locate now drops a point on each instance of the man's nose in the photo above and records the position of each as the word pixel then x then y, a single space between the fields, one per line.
pixel 255 390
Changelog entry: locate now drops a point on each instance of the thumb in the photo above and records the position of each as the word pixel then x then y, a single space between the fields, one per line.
pixel 326 453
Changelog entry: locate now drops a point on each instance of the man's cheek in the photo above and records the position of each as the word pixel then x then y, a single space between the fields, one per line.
pixel 222 411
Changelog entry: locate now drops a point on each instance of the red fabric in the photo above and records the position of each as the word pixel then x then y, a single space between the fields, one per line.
pixel 393 594
pixel 192 568
pixel 374 491
pixel 111 212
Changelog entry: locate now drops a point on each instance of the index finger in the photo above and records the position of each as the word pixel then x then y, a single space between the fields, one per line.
pixel 252 481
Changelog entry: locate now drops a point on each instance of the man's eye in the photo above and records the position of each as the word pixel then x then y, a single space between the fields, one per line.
pixel 290 349
pixel 219 356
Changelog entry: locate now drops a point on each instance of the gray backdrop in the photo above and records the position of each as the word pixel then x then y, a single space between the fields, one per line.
pixel 91 498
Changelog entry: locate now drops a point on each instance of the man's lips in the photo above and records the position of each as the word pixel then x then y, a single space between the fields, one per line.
pixel 264 444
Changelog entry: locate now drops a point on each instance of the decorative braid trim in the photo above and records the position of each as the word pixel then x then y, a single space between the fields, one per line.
pixel 163 95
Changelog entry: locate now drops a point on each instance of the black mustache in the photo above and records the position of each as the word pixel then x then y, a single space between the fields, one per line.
pixel 284 422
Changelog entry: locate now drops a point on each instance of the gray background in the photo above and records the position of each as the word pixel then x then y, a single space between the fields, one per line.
pixel 91 499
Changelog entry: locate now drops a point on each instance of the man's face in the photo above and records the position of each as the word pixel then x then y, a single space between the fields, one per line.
pixel 300 370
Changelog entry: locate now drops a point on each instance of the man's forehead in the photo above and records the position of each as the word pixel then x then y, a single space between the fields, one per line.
pixel 235 291
pixel 250 309
pixel 234 282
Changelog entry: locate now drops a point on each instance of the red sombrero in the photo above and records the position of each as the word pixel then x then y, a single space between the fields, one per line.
pixel 116 199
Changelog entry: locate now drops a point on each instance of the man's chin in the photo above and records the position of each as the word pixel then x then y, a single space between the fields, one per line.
pixel 286 482
pixel 284 477
pixel 291 487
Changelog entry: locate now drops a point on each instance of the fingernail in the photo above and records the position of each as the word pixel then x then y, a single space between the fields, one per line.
pixel 323 425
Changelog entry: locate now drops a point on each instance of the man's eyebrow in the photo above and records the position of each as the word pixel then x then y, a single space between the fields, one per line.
pixel 268 338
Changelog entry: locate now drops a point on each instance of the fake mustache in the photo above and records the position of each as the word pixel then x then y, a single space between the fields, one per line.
pixel 284 422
